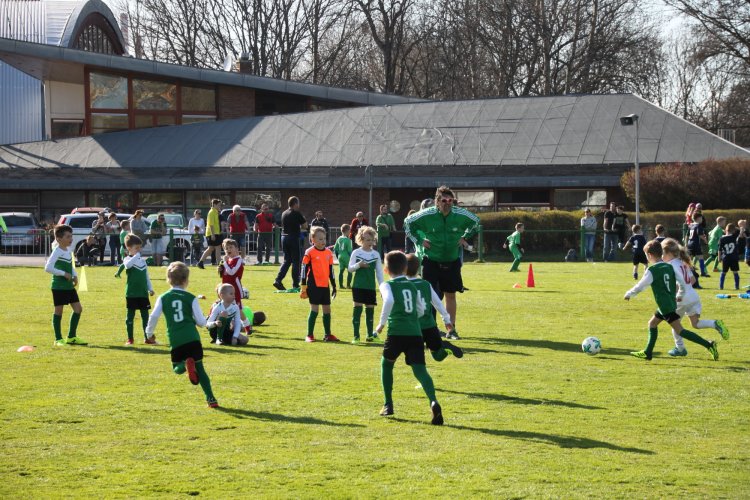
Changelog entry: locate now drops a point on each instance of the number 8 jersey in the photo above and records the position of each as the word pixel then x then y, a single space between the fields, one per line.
pixel 401 307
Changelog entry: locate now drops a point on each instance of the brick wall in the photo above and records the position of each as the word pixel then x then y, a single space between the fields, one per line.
pixel 338 205
pixel 235 102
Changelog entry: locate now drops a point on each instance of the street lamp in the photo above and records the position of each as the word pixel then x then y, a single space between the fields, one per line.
pixel 626 121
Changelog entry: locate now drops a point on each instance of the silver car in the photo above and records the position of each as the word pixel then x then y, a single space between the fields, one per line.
pixel 24 233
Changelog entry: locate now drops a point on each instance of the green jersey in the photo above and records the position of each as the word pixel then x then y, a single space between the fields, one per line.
pixel 514 240
pixel 443 231
pixel 401 307
pixel 364 277
pixel 384 223
pixel 177 306
pixel 424 296
pixel 663 283
pixel 59 263
pixel 123 250
pixel 713 239
pixel 343 250
pixel 138 283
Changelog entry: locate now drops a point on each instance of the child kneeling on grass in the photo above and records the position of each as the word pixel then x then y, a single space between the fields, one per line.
pixel 182 314
pixel 224 323
pixel 663 281
pixel 401 310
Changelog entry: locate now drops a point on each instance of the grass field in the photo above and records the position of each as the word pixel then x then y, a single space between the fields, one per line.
pixel 527 414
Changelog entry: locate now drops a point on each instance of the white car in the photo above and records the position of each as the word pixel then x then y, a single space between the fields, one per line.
pixel 81 224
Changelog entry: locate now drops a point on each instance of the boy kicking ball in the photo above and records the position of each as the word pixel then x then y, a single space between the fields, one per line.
pixel 401 310
pixel 182 313
pixel 663 281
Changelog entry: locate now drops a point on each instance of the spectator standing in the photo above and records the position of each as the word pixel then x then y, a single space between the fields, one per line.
pixel 357 222
pixel 238 226
pixel 196 221
pixel 138 226
pixel 99 230
pixel 385 223
pixel 292 224
pixel 158 232
pixel 620 226
pixel 213 233
pixel 610 236
pixel 264 224
pixel 321 221
pixel 588 223
pixel 113 230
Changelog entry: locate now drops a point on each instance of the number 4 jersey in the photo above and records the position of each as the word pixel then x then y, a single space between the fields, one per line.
pixel 401 307
pixel 661 277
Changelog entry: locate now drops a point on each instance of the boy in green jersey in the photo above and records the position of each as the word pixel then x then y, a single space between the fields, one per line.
pixel 124 231
pixel 439 348
pixel 183 313
pixel 402 310
pixel 343 251
pixel 713 242
pixel 513 242
pixel 663 281
pixel 64 282
pixel 138 287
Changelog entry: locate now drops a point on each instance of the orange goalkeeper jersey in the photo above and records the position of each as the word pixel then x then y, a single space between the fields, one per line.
pixel 316 267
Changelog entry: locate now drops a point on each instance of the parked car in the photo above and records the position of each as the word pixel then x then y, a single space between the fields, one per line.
pixel 174 221
pixel 24 233
pixel 81 224
pixel 87 210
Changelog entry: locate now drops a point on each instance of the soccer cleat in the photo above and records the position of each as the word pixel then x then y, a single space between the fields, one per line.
pixel 722 329
pixel 437 413
pixel 355 340
pixel 713 349
pixel 641 355
pixel 453 349
pixel 674 352
pixel 370 338
pixel 635 276
pixel 330 338
pixel 212 403
pixel 310 338
pixel 151 341
pixel 278 286
pixel 191 371
pixel 705 275
pixel 200 265
pixel 387 410
pixel 59 342
pixel 453 335
pixel 295 289
pixel 75 341
pixel 129 342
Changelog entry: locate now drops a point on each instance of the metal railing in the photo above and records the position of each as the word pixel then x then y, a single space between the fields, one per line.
pixel 31 242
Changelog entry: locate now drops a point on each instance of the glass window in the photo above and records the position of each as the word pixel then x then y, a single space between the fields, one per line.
pixel 253 199
pixel 144 121
pixel 523 197
pixel 159 199
pixel 163 121
pixel 117 201
pixel 202 200
pixel 148 94
pixel 577 198
pixel 108 91
pixel 102 123
pixel 66 199
pixel 476 198
pixel 64 129
pixel 197 119
pixel 15 199
pixel 198 99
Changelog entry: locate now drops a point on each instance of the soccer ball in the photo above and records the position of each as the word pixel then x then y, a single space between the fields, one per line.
pixel 591 345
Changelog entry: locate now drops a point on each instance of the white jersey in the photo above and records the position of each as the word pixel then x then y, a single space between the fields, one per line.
pixel 684 274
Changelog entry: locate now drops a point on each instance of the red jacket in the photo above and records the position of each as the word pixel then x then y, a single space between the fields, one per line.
pixel 355 227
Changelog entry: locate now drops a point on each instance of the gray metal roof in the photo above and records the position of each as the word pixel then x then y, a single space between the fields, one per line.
pixel 47 62
pixel 555 141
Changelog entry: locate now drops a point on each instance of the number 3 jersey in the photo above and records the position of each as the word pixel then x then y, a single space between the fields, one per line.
pixel 182 313
pixel 401 307
pixel 663 281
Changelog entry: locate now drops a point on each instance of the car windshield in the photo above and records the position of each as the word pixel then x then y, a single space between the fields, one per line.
pixel 172 220
pixel 18 221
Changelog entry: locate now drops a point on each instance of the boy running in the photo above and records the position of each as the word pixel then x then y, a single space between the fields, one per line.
pixel 64 282
pixel 637 241
pixel 183 313
pixel 713 242
pixel 730 258
pixel 696 235
pixel 401 310
pixel 513 243
pixel 317 271
pixel 663 281
pixel 138 287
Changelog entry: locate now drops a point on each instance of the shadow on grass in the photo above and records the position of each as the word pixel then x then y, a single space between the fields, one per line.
pixel 522 401
pixel 139 350
pixel 548 344
pixel 479 350
pixel 277 417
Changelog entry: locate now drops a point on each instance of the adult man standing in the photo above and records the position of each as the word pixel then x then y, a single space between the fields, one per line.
pixel 357 222
pixel 621 226
pixel 264 225
pixel 439 232
pixel 320 221
pixel 213 233
pixel 384 223
pixel 292 224
pixel 610 235
pixel 238 226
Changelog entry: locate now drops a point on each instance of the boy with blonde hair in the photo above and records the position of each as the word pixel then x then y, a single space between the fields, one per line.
pixel 317 271
pixel 224 323
pixel 366 265
pixel 182 313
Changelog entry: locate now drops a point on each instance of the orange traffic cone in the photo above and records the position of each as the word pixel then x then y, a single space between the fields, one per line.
pixel 530 279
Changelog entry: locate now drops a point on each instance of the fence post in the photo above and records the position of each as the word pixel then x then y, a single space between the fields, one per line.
pixel 276 244
pixel 480 240
pixel 171 245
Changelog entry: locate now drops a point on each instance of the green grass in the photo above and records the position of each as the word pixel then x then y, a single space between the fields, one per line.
pixel 527 414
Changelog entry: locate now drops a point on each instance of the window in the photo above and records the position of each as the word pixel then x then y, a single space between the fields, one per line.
pixel 197 118
pixel 102 123
pixel 578 198
pixel 255 198
pixel 159 199
pixel 198 99
pixel 523 197
pixel 152 95
pixel 64 129
pixel 202 199
pixel 108 91
pixel 119 202
pixel 477 201
pixel 14 200
pixel 56 203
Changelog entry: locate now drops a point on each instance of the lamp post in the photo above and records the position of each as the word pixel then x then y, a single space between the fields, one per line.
pixel 626 121
pixel 368 176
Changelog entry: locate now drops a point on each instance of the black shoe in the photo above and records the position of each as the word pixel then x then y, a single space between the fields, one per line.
pixel 452 335
pixel 705 275
pixel 437 413
pixel 278 286
pixel 387 410
pixel 454 349
pixel 200 265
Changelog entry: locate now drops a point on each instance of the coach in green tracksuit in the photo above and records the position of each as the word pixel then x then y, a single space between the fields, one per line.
pixel 439 232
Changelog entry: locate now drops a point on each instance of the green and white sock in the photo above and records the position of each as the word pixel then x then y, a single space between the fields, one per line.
pixel 311 323
pixel 369 321
pixel 356 318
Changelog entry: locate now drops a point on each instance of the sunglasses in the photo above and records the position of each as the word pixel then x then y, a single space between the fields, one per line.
pixel 447 200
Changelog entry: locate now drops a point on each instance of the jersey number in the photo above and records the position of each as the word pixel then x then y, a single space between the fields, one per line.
pixel 729 248
pixel 408 301
pixel 178 314
pixel 421 303
pixel 666 283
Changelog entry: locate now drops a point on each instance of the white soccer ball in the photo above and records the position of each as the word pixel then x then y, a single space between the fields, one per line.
pixel 591 345
pixel 245 293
